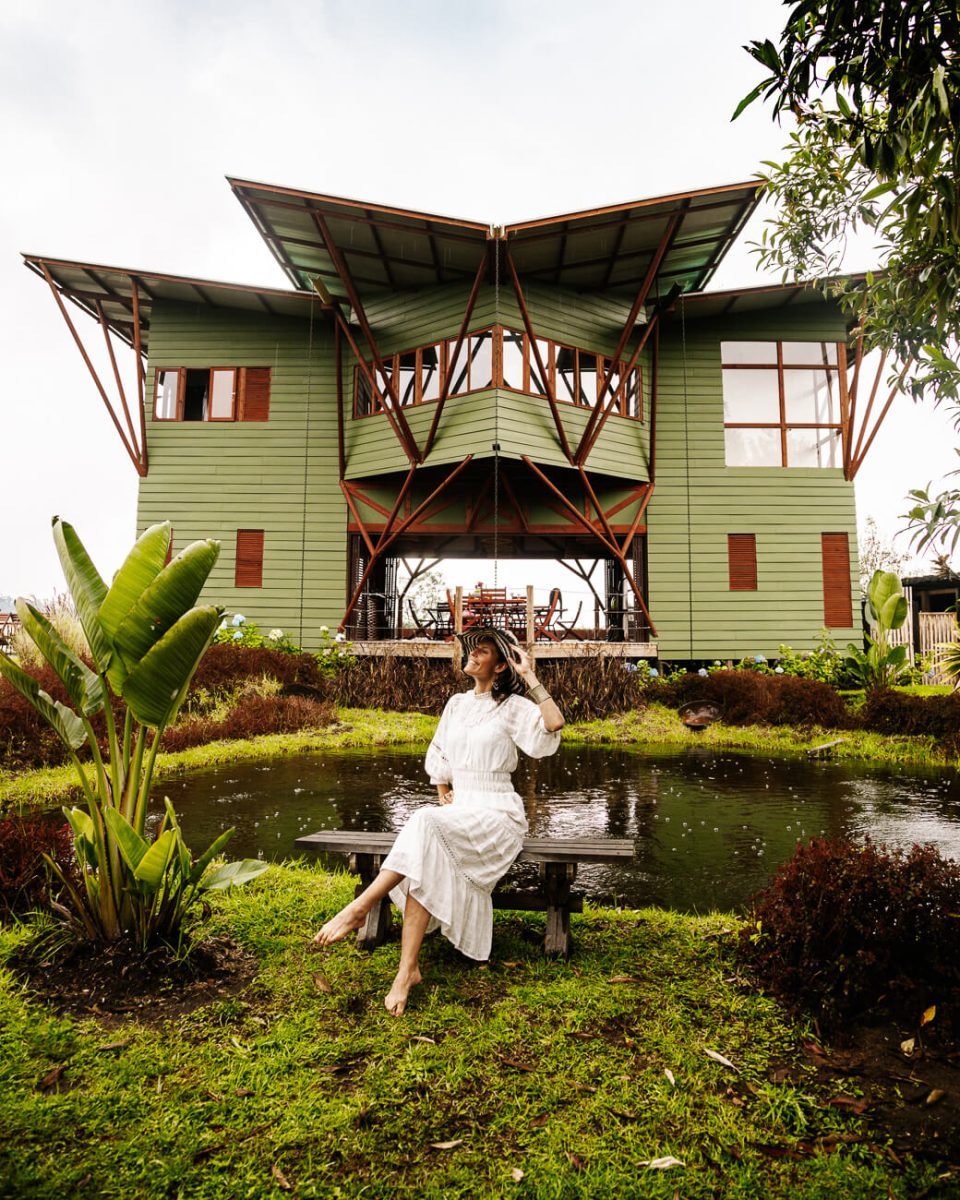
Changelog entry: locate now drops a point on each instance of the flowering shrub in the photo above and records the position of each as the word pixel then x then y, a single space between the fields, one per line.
pixel 334 653
pixel 841 925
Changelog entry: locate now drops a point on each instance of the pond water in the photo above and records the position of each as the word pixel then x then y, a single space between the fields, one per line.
pixel 709 828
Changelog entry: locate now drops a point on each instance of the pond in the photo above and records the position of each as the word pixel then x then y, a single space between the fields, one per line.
pixel 710 828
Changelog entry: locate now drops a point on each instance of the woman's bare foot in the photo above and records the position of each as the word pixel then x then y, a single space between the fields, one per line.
pixel 346 921
pixel 396 999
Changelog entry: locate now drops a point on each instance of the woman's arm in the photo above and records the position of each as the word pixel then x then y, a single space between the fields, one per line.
pixel 551 714
pixel 444 793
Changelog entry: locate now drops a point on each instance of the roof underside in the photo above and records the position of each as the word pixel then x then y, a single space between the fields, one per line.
pixel 319 239
pixel 96 288
pixel 754 299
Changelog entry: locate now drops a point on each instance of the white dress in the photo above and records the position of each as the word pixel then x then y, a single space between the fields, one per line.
pixel 452 855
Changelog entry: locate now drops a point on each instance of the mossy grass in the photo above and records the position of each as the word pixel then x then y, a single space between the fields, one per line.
pixel 556 1070
pixel 653 728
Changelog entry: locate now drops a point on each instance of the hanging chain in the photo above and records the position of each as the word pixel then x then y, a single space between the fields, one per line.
pixel 306 470
pixel 496 418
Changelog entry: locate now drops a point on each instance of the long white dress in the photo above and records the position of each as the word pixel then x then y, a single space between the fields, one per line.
pixel 452 855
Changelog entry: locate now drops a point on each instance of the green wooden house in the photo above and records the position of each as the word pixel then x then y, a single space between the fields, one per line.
pixel 564 388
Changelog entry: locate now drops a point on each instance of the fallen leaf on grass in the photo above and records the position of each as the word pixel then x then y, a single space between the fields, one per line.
pixel 576 1161
pixel 928 1015
pixel 243 1092
pixel 516 1174
pixel 583 1087
pixel 671 1078
pixel 322 983
pixel 719 1058
pixel 511 964
pixel 623 979
pixel 539 1122
pixel 52 1078
pixel 625 1116
pixel 282 1181
pixel 936 1095
pixel 908 1046
pixel 813 1048
pixel 581 1034
pixel 515 1063
pixel 774 1150
pixel 419 1037
pixel 446 1145
pixel 662 1164
pixel 851 1103
pixel 114 1045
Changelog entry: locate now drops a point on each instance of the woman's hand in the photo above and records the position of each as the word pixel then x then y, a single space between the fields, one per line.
pixel 524 666
pixel 445 797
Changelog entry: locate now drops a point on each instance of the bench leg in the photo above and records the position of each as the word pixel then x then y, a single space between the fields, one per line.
pixel 557 878
pixel 374 930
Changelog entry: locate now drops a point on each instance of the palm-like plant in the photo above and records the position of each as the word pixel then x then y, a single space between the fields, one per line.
pixel 146 639
pixel 882 664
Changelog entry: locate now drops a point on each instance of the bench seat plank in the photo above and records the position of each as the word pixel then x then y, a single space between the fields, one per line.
pixel 346 841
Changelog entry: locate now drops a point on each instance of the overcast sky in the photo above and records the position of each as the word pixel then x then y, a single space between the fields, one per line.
pixel 119 121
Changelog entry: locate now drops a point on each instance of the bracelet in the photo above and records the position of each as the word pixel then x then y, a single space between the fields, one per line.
pixel 538 694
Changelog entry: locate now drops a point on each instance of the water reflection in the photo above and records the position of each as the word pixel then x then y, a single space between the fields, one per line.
pixel 709 828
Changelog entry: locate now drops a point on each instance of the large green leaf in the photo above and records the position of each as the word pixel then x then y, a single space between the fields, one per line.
pixel 84 687
pixel 207 857
pixel 87 589
pixel 893 612
pixel 153 865
pixel 182 851
pixel 156 686
pixel 64 720
pixel 84 836
pixel 884 586
pixel 171 594
pixel 233 874
pixel 131 845
pixel 140 568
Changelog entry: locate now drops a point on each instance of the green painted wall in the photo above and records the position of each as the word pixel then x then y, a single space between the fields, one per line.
pixel 698 501
pixel 211 479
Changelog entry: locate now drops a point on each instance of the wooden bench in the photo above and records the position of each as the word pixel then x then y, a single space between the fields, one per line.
pixel 558 859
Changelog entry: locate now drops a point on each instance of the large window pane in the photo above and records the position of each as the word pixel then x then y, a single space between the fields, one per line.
pixel 751 397
pixel 481 360
pixel 748 352
pixel 588 379
pixel 430 373
pixel 513 359
pixel 407 378
pixel 813 447
pixel 753 448
pixel 457 369
pixel 810 352
pixel 811 397
pixel 221 407
pixel 166 404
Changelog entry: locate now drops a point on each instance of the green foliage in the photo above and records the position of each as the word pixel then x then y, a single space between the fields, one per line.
pixel 875 91
pixel 825 663
pixel 881 665
pixel 335 653
pixel 146 639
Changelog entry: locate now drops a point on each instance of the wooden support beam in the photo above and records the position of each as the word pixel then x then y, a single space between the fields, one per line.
pixel 338 369
pixel 135 286
pixel 852 419
pixel 869 409
pixel 136 459
pixel 535 349
pixel 461 334
pixel 592 496
pixel 641 512
pixel 340 267
pixel 347 495
pixel 105 326
pixel 587 443
pixel 897 388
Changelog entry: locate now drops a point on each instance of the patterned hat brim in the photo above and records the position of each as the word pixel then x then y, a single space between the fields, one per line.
pixel 505 642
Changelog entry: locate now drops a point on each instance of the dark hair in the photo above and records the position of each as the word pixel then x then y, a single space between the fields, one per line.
pixel 505 682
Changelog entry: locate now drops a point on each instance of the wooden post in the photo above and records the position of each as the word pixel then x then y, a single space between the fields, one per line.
pixel 458 609
pixel 557 878
pixel 379 919
pixel 530 630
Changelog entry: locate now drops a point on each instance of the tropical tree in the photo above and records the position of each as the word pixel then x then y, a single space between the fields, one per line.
pixel 145 639
pixel 873 90
pixel 881 664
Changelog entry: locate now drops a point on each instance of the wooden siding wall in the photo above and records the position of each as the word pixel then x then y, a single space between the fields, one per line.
pixel 698 501
pixel 470 424
pixel 212 478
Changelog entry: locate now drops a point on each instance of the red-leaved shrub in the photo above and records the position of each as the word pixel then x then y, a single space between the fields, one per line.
pixel 225 667
pixel 888 711
pixel 250 716
pixel 752 698
pixel 840 926
pixel 25 878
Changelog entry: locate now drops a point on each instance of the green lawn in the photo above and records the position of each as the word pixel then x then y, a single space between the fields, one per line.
pixel 558 1071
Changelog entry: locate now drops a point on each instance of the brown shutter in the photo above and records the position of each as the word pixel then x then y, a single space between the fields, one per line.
pixel 837 602
pixel 742 559
pixel 254 393
pixel 248 571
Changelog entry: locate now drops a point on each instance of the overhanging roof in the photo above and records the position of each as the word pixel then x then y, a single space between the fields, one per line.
pixel 750 299
pixel 391 249
pixel 91 286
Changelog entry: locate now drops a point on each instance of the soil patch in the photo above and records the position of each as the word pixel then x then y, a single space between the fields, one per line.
pixel 909 1096
pixel 116 983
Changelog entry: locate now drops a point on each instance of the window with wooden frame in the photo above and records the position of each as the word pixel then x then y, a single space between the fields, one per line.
pixel 782 403
pixel 211 394
pixel 742 561
pixel 248 563
pixel 500 357
pixel 837 595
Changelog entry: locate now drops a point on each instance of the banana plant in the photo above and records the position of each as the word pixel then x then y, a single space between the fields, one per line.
pixel 146 637
pixel 881 664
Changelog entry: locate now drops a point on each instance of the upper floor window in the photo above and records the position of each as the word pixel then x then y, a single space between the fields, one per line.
pixel 211 394
pixel 504 358
pixel 781 404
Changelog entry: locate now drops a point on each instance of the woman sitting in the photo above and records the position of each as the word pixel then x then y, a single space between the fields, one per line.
pixel 447 860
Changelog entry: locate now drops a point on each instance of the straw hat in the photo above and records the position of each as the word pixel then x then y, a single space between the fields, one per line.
pixel 508 682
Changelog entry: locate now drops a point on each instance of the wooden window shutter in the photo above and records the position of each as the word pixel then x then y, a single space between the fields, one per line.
pixel 248 571
pixel 254 393
pixel 742 560
pixel 837 601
